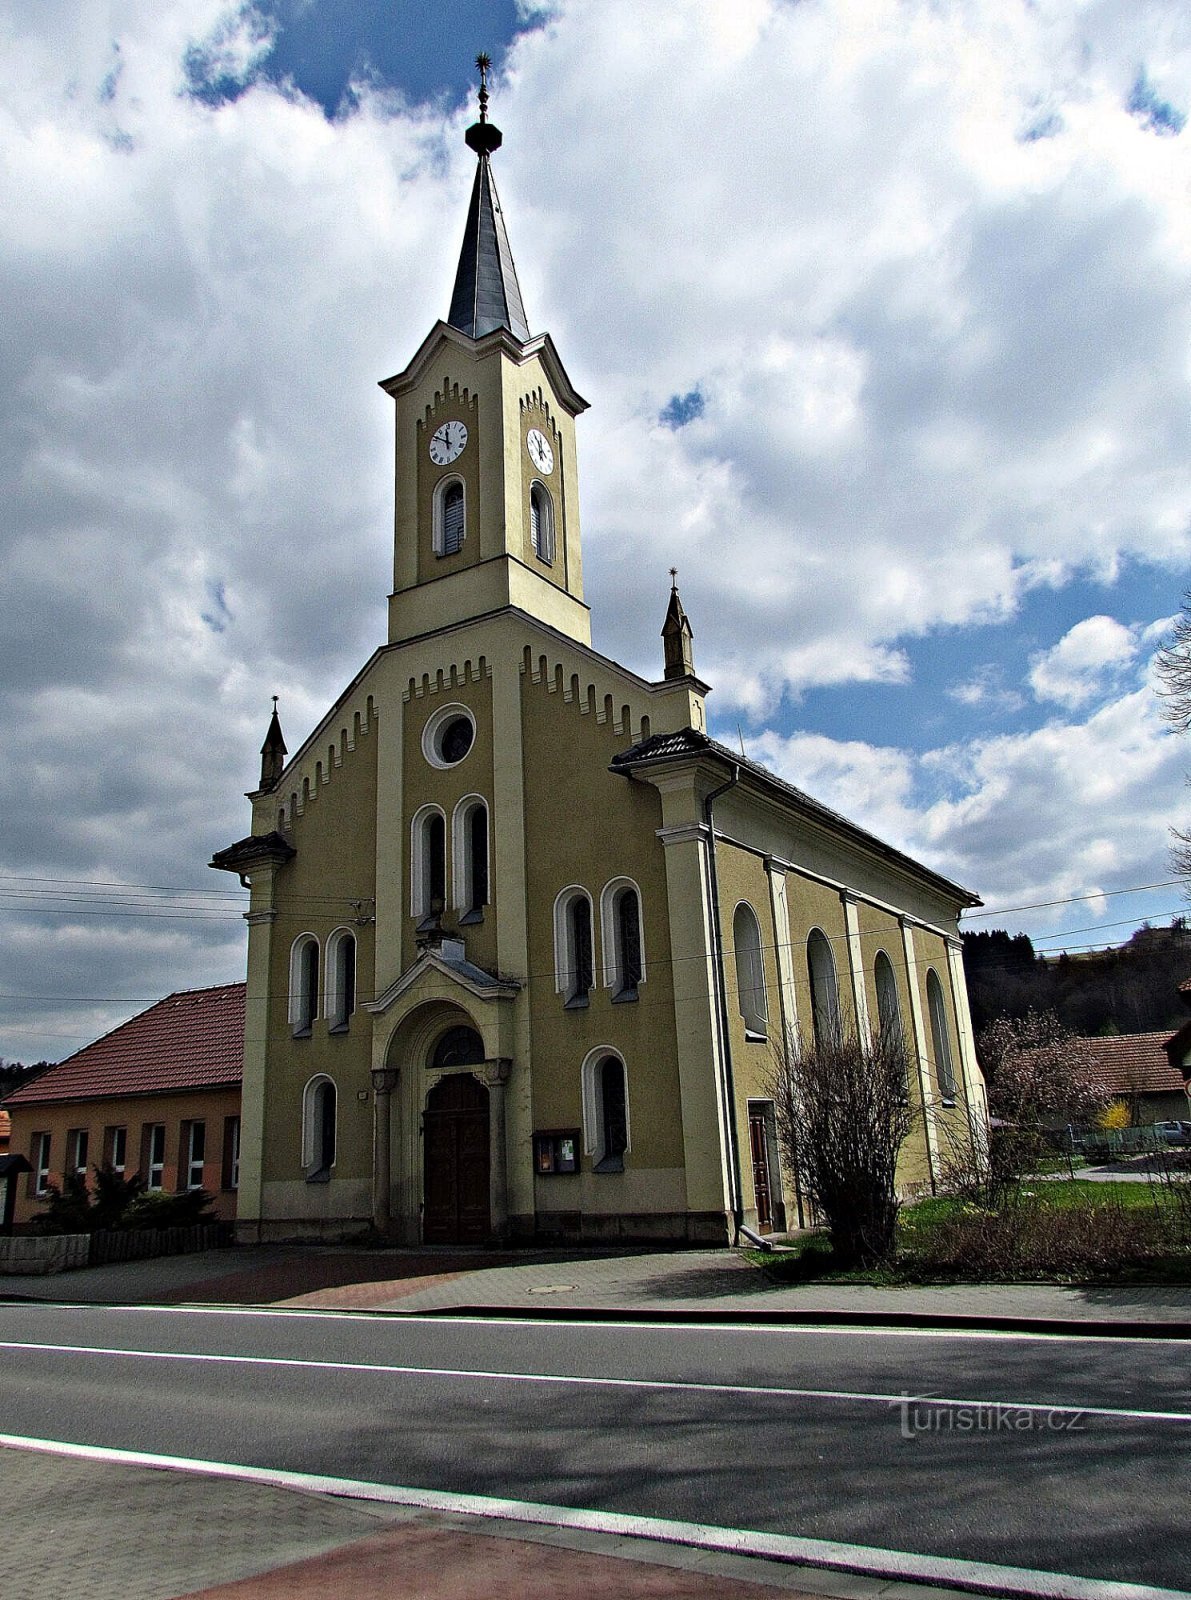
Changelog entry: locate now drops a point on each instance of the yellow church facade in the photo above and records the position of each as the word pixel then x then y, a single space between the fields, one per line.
pixel 524 941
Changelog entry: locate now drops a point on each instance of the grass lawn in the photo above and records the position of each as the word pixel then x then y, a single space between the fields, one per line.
pixel 1060 1231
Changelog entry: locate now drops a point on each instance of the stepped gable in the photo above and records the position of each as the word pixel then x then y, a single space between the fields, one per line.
pixel 190 1040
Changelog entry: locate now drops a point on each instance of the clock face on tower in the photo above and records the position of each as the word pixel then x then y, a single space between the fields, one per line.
pixel 447 443
pixel 540 452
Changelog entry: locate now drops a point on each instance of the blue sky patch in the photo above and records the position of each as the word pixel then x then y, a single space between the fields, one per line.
pixel 682 408
pixel 1154 113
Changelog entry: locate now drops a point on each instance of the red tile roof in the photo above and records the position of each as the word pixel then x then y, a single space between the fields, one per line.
pixel 1133 1063
pixel 190 1040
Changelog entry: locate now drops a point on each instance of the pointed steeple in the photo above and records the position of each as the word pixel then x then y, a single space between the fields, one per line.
pixel 487 295
pixel 273 752
pixel 677 636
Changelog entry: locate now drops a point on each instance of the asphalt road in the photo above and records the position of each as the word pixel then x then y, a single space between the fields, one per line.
pixel 1081 1470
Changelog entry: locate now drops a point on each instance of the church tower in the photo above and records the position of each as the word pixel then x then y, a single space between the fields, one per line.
pixel 487 501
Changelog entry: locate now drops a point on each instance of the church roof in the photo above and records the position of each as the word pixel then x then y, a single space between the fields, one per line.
pixel 487 295
pixel 688 742
pixel 190 1040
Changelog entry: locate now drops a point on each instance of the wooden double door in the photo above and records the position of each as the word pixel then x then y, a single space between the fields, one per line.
pixel 457 1171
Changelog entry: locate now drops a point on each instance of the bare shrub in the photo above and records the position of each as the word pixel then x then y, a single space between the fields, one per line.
pixel 1027 1240
pixel 843 1114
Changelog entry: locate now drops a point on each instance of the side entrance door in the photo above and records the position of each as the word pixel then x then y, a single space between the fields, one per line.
pixel 456 1154
pixel 762 1184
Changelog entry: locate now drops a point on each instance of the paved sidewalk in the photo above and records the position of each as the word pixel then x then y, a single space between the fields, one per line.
pixel 543 1281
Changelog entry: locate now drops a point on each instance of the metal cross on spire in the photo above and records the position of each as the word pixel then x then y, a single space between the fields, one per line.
pixel 484 62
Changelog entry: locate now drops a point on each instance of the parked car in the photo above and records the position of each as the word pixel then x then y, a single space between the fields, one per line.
pixel 1173 1132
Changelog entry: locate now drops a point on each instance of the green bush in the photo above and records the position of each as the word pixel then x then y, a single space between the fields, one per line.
pixel 159 1209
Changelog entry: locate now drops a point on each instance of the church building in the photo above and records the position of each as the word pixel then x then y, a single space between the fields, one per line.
pixel 523 939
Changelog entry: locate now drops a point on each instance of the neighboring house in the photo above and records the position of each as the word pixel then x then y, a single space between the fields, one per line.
pixel 1137 1068
pixel 160 1095
pixel 523 939
pixel 5 1132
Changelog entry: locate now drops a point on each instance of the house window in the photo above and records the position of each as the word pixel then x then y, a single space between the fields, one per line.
pixel 115 1149
pixel 318 1129
pixel 825 1018
pixel 194 1147
pixel 303 984
pixel 450 517
pixel 574 964
pixel 428 859
pixel 470 858
pixel 541 521
pixel 39 1161
pixel 939 1038
pixel 341 979
pixel 231 1153
pixel 750 972
pixel 624 947
pixel 76 1152
pixel 605 1110
pixel 153 1160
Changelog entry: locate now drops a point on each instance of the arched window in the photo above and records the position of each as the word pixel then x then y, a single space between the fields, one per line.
pixel 605 1110
pixel 450 517
pixel 303 984
pixel 938 1034
pixel 574 963
pixel 460 1046
pixel 824 988
pixel 888 1009
pixel 750 971
pixel 318 1128
pixel 428 862
pixel 541 521
pixel 469 830
pixel 624 940
pixel 341 978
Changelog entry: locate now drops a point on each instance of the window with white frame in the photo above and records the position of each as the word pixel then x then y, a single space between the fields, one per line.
pixel 624 940
pixel 428 861
pixel 605 1109
pixel 469 833
pixel 115 1149
pixel 231 1153
pixel 303 984
pixel 77 1141
pixel 825 1018
pixel 39 1161
pixel 341 979
pixel 450 517
pixel 318 1128
pixel 939 1037
pixel 541 521
pixel 750 971
pixel 194 1153
pixel 574 958
pixel 154 1154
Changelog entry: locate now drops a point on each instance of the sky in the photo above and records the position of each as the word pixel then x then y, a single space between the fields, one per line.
pixel 882 309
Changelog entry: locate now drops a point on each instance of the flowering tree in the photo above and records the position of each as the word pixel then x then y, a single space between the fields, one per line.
pixel 1037 1071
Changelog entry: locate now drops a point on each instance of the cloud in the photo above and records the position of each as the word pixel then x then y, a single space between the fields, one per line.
pixel 1086 661
pixel 941 364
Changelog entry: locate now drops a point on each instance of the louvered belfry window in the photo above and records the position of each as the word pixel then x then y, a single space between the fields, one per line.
pixel 452 518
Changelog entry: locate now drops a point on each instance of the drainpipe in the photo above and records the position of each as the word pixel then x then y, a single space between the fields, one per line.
pixel 717 949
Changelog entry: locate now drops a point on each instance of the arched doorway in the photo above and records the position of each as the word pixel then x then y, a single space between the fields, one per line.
pixel 455 1125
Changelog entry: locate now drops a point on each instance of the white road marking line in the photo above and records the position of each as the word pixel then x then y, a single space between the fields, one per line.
pixel 832 1555
pixel 512 1320
pixel 902 1398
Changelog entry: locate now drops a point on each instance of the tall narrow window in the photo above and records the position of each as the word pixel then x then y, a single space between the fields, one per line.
pixel 39 1154
pixel 428 859
pixel 574 960
pixel 469 829
pixel 231 1153
pixel 624 944
pixel 303 984
pixel 195 1148
pixel 76 1146
pixel 750 972
pixel 341 979
pixel 541 522
pixel 605 1110
pixel 825 1018
pixel 115 1149
pixel 318 1129
pixel 153 1158
pixel 888 1010
pixel 939 1038
pixel 450 517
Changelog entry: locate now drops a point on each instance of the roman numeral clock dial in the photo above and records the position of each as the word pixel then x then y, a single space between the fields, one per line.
pixel 447 443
